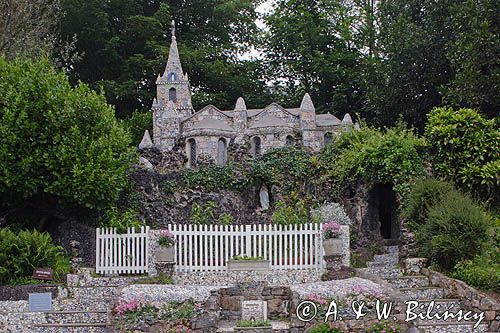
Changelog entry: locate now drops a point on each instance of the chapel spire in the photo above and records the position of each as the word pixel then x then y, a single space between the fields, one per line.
pixel 173 70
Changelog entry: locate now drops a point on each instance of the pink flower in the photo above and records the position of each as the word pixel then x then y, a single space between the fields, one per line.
pixel 126 306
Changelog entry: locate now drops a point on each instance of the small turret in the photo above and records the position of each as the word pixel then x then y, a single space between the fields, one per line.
pixel 307 113
pixel 347 120
pixel 146 141
pixel 240 114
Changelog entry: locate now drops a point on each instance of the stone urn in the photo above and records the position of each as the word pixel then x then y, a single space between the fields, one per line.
pixel 332 246
pixel 165 254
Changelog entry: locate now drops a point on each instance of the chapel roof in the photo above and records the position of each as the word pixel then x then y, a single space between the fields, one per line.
pixel 270 121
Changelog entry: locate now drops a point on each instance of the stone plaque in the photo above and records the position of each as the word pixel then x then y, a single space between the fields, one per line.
pixel 254 310
pixel 43 274
pixel 40 302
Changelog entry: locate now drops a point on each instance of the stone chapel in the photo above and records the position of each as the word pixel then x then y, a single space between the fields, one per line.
pixel 210 131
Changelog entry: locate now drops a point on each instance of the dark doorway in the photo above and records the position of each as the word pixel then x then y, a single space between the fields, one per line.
pixel 387 211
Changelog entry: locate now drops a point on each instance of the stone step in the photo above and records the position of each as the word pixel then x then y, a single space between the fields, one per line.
pixel 423 293
pixel 451 327
pixel 392 249
pixel 370 264
pixel 386 258
pixel 92 292
pixel 69 317
pixel 409 281
pixel 72 304
pixel 277 326
pixel 385 272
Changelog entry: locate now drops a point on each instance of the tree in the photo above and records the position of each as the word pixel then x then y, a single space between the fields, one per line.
pixel 475 56
pixel 124 46
pixel 27 26
pixel 59 144
pixel 310 45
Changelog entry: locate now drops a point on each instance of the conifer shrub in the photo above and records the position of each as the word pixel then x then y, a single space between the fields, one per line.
pixel 455 229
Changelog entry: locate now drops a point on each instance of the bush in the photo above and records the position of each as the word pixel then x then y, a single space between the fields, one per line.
pixel 22 252
pixel 211 177
pixel 465 149
pixel 286 214
pixel 423 195
pixel 330 212
pixel 482 272
pixel 121 220
pixel 385 327
pixel 456 229
pixel 374 156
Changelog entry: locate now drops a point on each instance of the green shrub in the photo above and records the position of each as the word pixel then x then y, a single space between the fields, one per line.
pixel 22 252
pixel 323 328
pixel 225 219
pixel 203 213
pixel 465 149
pixel 286 214
pixel 121 220
pixel 280 163
pixel 482 272
pixel 456 229
pixel 423 195
pixel 393 156
pixel 212 177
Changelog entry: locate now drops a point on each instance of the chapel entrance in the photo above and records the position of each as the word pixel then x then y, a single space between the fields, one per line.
pixel 383 209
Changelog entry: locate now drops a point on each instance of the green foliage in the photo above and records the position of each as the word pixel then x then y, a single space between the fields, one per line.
pixel 287 214
pixel 313 43
pixel 121 220
pixel 323 328
pixel 203 214
pixel 178 310
pixel 482 272
pixel 280 164
pixel 21 252
pixel 393 156
pixel 123 47
pixel 137 123
pixel 212 177
pixel 465 149
pixel 473 55
pixel 253 323
pixel 57 140
pixel 423 195
pixel 456 229
pixel 168 186
pixel 225 219
pixel 384 327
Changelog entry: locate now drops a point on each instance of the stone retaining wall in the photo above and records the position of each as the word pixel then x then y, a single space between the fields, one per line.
pixel 471 299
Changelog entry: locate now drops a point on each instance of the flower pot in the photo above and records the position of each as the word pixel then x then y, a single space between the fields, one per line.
pixel 165 254
pixel 248 265
pixel 332 246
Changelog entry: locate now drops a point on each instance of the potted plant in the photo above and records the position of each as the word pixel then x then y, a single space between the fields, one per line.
pixel 165 251
pixel 331 239
pixel 246 263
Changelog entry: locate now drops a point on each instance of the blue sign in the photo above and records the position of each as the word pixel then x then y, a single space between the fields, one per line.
pixel 40 302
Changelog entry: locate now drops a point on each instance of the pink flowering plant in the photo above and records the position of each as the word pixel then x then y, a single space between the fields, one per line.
pixel 331 230
pixel 322 303
pixel 166 238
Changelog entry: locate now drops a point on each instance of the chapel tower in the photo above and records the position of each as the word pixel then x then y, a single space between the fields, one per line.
pixel 173 100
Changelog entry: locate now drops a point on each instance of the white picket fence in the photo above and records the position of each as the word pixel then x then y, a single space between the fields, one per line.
pixel 122 253
pixel 208 247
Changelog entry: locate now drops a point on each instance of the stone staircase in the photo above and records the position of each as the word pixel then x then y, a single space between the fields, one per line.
pixel 418 288
pixel 83 306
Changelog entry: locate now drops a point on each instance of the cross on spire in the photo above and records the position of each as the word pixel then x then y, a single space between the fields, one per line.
pixel 172 28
